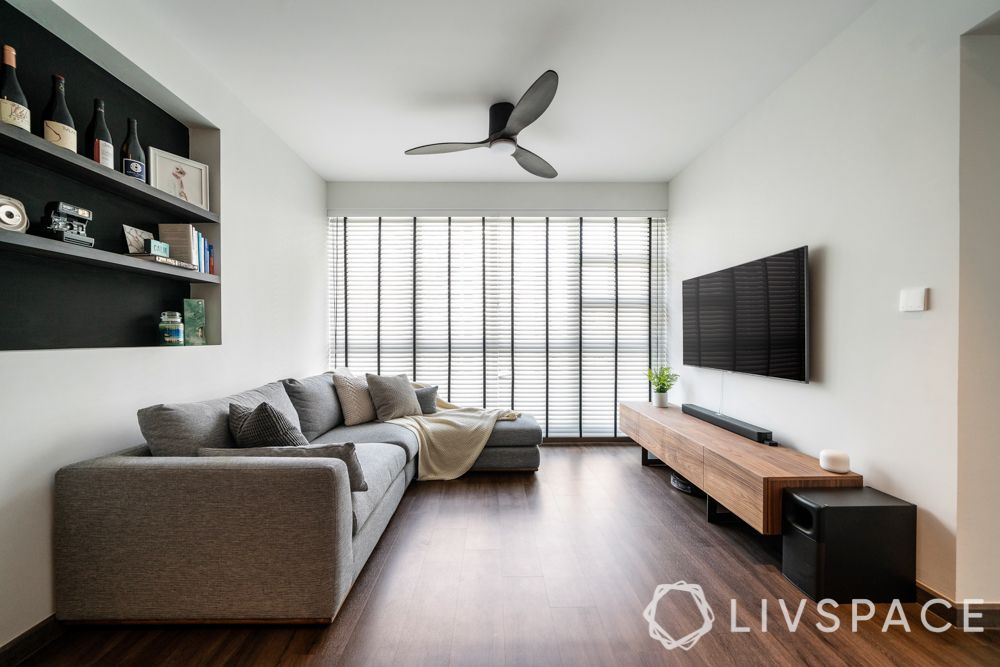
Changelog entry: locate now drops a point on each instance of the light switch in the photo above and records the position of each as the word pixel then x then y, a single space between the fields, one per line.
pixel 912 299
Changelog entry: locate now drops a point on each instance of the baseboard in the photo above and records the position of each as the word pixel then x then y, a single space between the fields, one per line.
pixel 23 646
pixel 954 613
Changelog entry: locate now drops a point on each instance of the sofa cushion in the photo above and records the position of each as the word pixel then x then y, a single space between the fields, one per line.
pixel 392 434
pixel 522 432
pixel 355 401
pixel 345 452
pixel 315 400
pixel 181 429
pixel 393 396
pixel 382 463
pixel 427 396
pixel 263 426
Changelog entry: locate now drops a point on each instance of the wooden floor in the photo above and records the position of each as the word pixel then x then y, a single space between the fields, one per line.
pixel 553 568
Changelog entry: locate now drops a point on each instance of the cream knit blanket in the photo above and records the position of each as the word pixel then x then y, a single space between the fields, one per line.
pixel 452 438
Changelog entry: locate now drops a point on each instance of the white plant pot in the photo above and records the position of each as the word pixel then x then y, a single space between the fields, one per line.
pixel 660 399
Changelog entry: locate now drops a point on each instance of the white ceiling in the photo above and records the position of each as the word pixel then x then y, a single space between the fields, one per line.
pixel 645 85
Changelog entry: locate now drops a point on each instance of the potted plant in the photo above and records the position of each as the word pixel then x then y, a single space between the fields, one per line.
pixel 662 380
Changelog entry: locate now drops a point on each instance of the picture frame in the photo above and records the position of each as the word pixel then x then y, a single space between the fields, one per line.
pixel 179 176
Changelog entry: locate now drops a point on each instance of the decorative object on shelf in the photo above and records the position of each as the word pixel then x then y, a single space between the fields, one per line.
pixel 58 126
pixel 169 261
pixel 136 239
pixel 171 328
pixel 13 217
pixel 183 178
pixel 183 240
pixel 99 146
pixel 13 104
pixel 194 321
pixel 834 461
pixel 662 380
pixel 157 248
pixel 133 157
pixel 68 223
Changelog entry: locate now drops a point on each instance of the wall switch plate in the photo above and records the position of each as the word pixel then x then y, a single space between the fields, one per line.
pixel 912 299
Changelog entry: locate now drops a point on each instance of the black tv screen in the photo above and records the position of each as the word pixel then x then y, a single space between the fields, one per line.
pixel 751 318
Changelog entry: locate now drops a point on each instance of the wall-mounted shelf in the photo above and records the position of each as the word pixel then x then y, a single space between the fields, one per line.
pixel 18 143
pixel 38 245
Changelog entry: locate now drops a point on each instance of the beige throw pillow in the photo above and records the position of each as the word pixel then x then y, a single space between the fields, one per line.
pixel 393 396
pixel 355 401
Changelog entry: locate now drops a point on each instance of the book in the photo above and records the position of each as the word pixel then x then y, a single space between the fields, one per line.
pixel 183 241
pixel 194 321
pixel 169 261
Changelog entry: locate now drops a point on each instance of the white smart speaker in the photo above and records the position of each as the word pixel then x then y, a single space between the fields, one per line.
pixel 834 461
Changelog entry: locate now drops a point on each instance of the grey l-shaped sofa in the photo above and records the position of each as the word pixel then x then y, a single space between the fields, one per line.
pixel 158 533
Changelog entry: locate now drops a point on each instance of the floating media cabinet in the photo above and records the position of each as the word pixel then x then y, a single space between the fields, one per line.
pixel 745 477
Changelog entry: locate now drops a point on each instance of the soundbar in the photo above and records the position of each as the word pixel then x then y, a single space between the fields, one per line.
pixel 755 433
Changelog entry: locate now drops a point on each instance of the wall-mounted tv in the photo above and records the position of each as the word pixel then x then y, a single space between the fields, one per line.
pixel 751 318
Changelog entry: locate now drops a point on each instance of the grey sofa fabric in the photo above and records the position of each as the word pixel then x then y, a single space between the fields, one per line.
pixel 382 463
pixel 522 432
pixel 346 452
pixel 315 400
pixel 393 396
pixel 181 429
pixel 374 432
pixel 508 458
pixel 368 535
pixel 210 539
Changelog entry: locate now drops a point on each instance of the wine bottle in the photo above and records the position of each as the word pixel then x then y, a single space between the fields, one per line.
pixel 99 144
pixel 13 103
pixel 133 157
pixel 58 125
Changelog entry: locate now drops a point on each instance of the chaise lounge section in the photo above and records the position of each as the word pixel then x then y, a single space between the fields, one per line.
pixel 159 533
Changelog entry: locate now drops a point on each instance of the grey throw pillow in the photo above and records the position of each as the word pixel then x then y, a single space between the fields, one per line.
pixel 393 396
pixel 355 401
pixel 427 397
pixel 315 399
pixel 263 426
pixel 346 452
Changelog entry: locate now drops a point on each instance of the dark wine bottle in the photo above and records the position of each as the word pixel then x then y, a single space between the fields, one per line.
pixel 99 144
pixel 133 157
pixel 13 103
pixel 58 125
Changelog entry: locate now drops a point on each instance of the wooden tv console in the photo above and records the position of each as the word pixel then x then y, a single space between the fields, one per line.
pixel 743 476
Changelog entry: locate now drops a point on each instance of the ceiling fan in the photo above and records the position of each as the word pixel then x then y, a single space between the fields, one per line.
pixel 506 122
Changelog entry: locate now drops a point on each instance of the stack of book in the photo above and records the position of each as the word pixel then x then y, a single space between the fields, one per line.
pixel 188 248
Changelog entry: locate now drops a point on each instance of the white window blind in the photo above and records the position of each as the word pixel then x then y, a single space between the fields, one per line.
pixel 557 317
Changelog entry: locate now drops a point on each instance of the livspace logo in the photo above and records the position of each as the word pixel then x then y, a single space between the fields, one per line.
pixel 861 610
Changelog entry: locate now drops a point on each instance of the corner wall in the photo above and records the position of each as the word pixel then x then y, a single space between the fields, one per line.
pixel 67 405
pixel 857 156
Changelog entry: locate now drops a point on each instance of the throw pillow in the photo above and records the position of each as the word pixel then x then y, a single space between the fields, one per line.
pixel 427 397
pixel 355 401
pixel 315 399
pixel 346 452
pixel 263 426
pixel 393 396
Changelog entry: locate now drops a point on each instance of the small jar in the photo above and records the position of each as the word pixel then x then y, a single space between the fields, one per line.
pixel 171 328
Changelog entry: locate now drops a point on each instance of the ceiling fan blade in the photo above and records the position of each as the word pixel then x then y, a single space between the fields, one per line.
pixel 534 164
pixel 532 104
pixel 434 149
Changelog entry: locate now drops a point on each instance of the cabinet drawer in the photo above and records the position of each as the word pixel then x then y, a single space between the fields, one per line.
pixel 677 452
pixel 741 492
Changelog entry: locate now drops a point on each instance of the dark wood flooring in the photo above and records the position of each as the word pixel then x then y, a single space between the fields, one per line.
pixel 552 568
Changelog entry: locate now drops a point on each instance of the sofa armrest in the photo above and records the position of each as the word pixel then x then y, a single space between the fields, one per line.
pixel 180 538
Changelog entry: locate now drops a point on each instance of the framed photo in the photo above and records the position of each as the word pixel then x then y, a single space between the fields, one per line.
pixel 179 176
pixel 136 239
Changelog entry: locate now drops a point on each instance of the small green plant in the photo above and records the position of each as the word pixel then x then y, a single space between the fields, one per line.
pixel 663 379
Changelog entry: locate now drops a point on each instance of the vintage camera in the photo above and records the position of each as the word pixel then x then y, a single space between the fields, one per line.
pixel 67 223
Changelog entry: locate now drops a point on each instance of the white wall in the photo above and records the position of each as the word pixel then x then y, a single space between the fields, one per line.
pixel 856 155
pixel 64 406
pixel 979 323
pixel 542 198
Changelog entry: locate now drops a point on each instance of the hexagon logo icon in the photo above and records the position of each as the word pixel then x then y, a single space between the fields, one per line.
pixel 688 641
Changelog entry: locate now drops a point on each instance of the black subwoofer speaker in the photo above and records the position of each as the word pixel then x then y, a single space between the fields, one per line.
pixel 846 544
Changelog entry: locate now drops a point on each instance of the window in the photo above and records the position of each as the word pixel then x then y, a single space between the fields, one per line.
pixel 557 317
